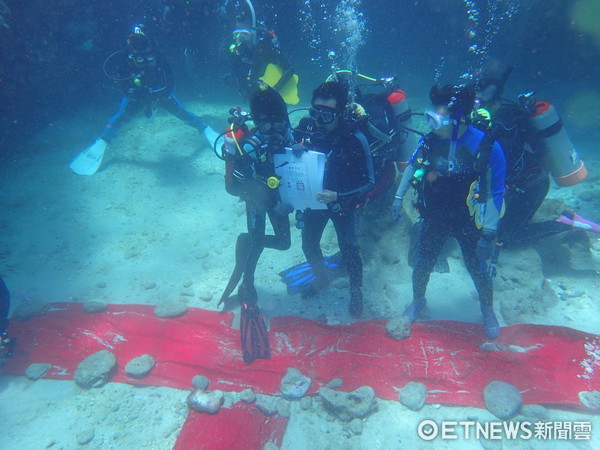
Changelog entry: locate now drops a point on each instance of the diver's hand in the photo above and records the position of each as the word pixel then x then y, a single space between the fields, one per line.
pixel 396 209
pixel 327 196
pixel 485 247
pixel 298 150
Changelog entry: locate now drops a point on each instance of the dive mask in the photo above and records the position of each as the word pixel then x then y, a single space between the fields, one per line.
pixel 143 59
pixel 270 127
pixel 322 114
pixel 436 121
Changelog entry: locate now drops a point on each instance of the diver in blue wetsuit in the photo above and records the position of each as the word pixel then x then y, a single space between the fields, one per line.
pixel 147 81
pixel 459 173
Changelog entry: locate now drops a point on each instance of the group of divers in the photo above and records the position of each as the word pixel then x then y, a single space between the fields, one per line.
pixel 479 174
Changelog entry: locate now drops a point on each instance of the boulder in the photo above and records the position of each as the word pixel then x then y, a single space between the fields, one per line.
pixel 349 405
pixel 502 399
pixel 294 384
pixel 94 370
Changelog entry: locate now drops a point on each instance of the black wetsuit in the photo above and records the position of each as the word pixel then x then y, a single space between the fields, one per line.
pixel 527 180
pixel 247 177
pixel 249 62
pixel 443 207
pixel 349 172
pixel 145 88
pixel 4 306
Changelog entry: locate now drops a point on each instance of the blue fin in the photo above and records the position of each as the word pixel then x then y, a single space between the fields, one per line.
pixel 298 278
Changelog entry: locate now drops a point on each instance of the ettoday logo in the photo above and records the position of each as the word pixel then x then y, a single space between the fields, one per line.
pixel 449 430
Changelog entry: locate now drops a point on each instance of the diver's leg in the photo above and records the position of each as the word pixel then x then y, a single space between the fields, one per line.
pixel 175 107
pixel 256 220
pixel 127 110
pixel 432 237
pixel 253 330
pixel 521 206
pixel 467 240
pixel 346 228
pixel 281 239
pixel 314 225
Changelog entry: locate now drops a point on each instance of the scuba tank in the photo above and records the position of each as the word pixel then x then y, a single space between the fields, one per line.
pixel 403 117
pixel 551 139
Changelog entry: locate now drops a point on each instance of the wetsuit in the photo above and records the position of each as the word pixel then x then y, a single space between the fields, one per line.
pixel 249 62
pixel 349 172
pixel 246 177
pixel 443 208
pixel 527 180
pixel 147 87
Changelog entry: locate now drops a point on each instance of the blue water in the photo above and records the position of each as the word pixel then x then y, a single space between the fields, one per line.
pixel 157 215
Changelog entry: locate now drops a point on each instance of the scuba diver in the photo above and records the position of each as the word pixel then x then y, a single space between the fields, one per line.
pixel 147 82
pixel 254 56
pixel 459 174
pixel 536 146
pixel 7 344
pixel 250 175
pixel 348 177
pixel 381 111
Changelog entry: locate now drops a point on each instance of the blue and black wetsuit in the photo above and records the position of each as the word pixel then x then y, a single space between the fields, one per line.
pixel 145 89
pixel 442 204
pixel 349 172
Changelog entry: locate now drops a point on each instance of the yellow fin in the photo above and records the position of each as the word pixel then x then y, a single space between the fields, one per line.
pixel 289 91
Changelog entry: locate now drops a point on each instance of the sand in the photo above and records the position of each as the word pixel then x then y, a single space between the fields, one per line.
pixel 155 225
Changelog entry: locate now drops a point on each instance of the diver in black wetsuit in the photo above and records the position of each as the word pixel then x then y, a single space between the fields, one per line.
pixel 253 52
pixel 6 343
pixel 349 176
pixel 450 166
pixel 250 174
pixel 528 174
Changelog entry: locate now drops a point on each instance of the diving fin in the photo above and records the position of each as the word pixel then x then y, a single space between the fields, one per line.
pixel 300 277
pixel 89 160
pixel 211 136
pixel 242 249
pixel 253 330
pixel 289 91
pixel 578 222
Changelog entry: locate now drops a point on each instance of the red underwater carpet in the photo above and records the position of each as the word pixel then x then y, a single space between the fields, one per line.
pixel 547 363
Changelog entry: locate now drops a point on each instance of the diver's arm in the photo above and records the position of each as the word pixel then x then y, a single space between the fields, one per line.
pixel 498 182
pixel 407 175
pixel 494 206
pixel 409 172
pixel 361 140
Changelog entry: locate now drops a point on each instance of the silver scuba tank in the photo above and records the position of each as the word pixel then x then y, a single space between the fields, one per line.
pixel 560 157
pixel 399 102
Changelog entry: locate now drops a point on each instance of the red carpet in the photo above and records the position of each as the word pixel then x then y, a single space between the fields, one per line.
pixel 241 427
pixel 443 355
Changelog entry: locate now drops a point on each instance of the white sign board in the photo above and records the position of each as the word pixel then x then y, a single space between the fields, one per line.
pixel 301 178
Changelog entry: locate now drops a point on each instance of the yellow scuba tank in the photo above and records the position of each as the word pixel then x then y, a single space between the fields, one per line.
pixel 402 114
pixel 560 156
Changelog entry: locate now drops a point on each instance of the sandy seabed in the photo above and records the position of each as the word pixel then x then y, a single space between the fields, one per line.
pixel 155 225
